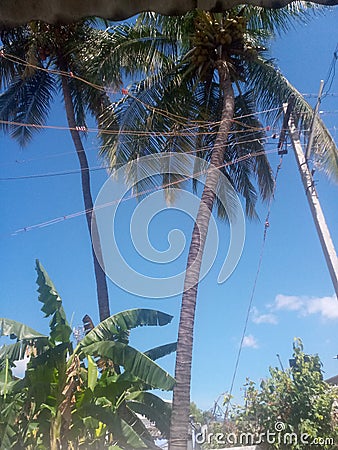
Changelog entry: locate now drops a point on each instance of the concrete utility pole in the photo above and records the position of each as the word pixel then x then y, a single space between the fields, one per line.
pixel 316 210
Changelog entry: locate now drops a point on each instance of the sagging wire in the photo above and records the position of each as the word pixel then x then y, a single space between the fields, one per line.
pixel 176 117
pixel 331 73
pixel 253 291
pixel 187 132
pixel 138 194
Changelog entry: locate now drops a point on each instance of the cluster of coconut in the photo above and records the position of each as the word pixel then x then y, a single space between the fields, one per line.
pixel 212 38
pixel 49 36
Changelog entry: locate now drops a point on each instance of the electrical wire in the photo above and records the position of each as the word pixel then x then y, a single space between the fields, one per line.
pixel 102 147
pixel 332 94
pixel 137 194
pixel 187 132
pixel 331 72
pixel 176 117
pixel 260 260
pixel 116 166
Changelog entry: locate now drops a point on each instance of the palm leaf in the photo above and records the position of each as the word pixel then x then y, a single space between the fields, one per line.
pixel 134 362
pixel 272 88
pixel 7 72
pixel 138 113
pixel 280 21
pixel 26 101
pixel 125 50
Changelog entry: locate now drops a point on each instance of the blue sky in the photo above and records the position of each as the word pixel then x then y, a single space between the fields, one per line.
pixel 294 295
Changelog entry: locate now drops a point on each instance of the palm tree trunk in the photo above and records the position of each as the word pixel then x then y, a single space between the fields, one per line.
pixel 181 398
pixel 100 276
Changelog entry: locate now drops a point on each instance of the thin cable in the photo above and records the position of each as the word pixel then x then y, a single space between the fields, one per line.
pixel 116 166
pixel 330 94
pixel 187 132
pixel 135 195
pixel 176 117
pixel 266 226
pixel 103 146
pixel 331 73
pixel 328 112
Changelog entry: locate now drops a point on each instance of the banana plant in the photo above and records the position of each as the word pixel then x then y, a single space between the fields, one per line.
pixel 92 395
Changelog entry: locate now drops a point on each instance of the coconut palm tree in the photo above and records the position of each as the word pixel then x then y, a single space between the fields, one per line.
pixel 39 61
pixel 219 70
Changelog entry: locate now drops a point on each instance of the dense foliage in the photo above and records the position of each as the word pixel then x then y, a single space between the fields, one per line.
pixel 293 409
pixel 92 396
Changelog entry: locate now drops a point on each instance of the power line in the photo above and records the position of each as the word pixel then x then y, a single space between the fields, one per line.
pixel 165 113
pixel 135 195
pixel 115 166
pixel 137 133
pixel 331 72
pixel 266 227
pixel 53 174
pixel 19 162
pixel 332 94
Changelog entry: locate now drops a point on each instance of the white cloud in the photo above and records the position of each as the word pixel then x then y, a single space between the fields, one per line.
pixel 250 341
pixel 326 307
pixel 258 318
pixel 288 302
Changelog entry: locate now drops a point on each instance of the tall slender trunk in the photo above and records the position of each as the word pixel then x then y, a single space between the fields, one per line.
pixel 100 276
pixel 179 427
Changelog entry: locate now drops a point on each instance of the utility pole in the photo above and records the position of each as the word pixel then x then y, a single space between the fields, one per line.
pixel 316 210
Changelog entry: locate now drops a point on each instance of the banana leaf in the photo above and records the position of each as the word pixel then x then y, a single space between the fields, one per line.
pixel 52 306
pixel 152 407
pixel 118 324
pixel 133 361
pixel 160 351
pixel 25 336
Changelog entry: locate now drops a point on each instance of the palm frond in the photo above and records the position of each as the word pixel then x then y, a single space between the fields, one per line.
pixel 279 21
pixel 8 71
pixel 27 101
pixel 125 50
pixel 272 89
